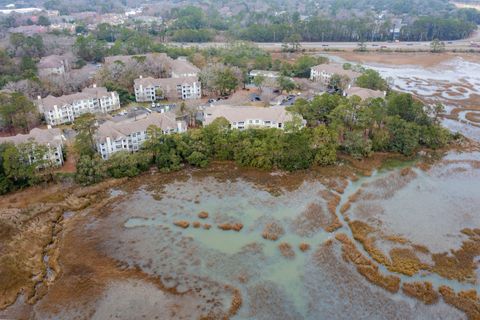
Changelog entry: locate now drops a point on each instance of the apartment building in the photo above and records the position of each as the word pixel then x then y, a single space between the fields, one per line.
pixel 324 72
pixel 64 109
pixel 129 135
pixel 243 117
pixel 53 65
pixel 151 89
pixel 51 138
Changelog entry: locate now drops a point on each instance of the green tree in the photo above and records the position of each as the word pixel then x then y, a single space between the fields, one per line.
pixel 18 113
pixel 225 81
pixel 324 144
pixel 16 166
pixel 371 79
pixel 404 136
pixel 43 21
pixel 296 152
pixel 89 49
pixel 434 136
pixel 405 106
pixel 125 164
pixel 338 82
pixel 285 84
pixel 90 170
pixel 85 126
pixel 357 145
pixel 258 81
pixel 437 46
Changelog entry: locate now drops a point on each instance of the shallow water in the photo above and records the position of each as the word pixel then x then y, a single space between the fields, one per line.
pixel 286 286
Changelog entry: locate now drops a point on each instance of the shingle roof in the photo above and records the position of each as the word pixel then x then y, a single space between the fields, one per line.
pixel 41 136
pixel 49 102
pixel 242 113
pixel 116 130
pixel 333 68
pixel 149 81
pixel 364 93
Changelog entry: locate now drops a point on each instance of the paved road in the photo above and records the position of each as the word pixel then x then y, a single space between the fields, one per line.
pixel 420 45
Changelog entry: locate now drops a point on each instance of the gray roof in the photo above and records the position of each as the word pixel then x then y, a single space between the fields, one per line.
pixel 333 68
pixel 117 130
pixel 162 82
pixel 53 61
pixel 50 101
pixel 41 136
pixel 364 93
pixel 242 113
pixel 265 73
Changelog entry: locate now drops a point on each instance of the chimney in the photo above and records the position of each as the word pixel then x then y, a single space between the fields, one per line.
pixel 94 85
pixel 141 77
pixel 39 97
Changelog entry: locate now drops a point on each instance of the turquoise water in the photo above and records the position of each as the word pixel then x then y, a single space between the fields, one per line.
pixel 257 267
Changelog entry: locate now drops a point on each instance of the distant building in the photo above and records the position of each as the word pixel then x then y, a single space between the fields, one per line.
pixel 264 73
pixel 129 135
pixel 29 30
pixel 70 27
pixel 19 10
pixel 146 20
pixel 324 72
pixel 65 109
pixel 242 117
pixel 151 89
pixel 51 138
pixel 174 68
pixel 53 65
pixel 396 28
pixel 148 57
pixel 364 93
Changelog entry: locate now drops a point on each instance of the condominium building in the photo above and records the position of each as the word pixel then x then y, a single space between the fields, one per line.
pixel 324 72
pixel 51 138
pixel 242 117
pixel 64 109
pixel 53 65
pixel 129 135
pixel 151 89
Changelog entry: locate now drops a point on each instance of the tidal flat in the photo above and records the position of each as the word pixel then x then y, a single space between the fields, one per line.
pixel 127 248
